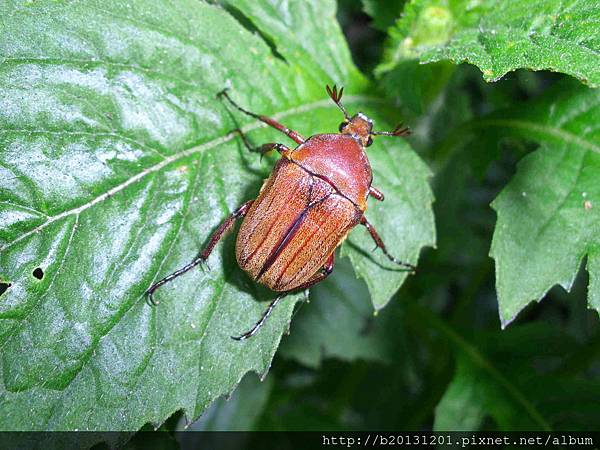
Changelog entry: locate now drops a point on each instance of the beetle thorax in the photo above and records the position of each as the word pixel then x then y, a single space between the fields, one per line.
pixel 340 160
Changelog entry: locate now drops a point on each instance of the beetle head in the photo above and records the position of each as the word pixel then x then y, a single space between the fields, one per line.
pixel 360 126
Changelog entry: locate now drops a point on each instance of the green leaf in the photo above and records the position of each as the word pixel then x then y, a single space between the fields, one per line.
pixel 509 380
pixel 474 395
pixel 116 164
pixel 461 408
pixel 549 214
pixel 499 36
pixel 479 383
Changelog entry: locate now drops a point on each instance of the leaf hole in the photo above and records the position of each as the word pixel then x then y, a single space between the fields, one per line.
pixel 38 273
pixel 4 287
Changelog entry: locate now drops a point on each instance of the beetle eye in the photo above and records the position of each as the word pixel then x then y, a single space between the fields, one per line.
pixel 342 125
pixel 369 141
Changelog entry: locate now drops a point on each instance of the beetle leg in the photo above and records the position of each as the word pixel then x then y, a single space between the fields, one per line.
pixel 374 192
pixel 265 148
pixel 203 256
pixel 245 140
pixel 296 137
pixel 379 243
pixel 261 321
pixel 282 149
pixel 323 273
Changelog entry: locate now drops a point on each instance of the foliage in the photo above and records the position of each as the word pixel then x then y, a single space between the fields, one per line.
pixel 499 36
pixel 117 162
pixel 547 216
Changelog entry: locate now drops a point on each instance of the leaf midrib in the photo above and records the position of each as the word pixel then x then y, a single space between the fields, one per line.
pixel 185 153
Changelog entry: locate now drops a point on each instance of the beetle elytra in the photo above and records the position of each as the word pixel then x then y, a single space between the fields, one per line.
pixel 314 196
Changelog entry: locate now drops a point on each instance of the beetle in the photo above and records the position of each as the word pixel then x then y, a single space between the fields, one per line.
pixel 314 196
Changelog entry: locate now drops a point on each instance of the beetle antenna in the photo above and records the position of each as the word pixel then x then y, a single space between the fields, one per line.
pixel 261 321
pixel 336 96
pixel 399 131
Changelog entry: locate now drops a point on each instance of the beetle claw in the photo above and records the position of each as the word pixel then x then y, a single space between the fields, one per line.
pixel 410 268
pixel 150 301
pixel 262 154
pixel 222 93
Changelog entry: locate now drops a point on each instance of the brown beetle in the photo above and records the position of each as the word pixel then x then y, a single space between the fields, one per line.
pixel 315 195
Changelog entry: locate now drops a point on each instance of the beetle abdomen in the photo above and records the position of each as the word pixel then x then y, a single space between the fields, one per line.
pixel 292 228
